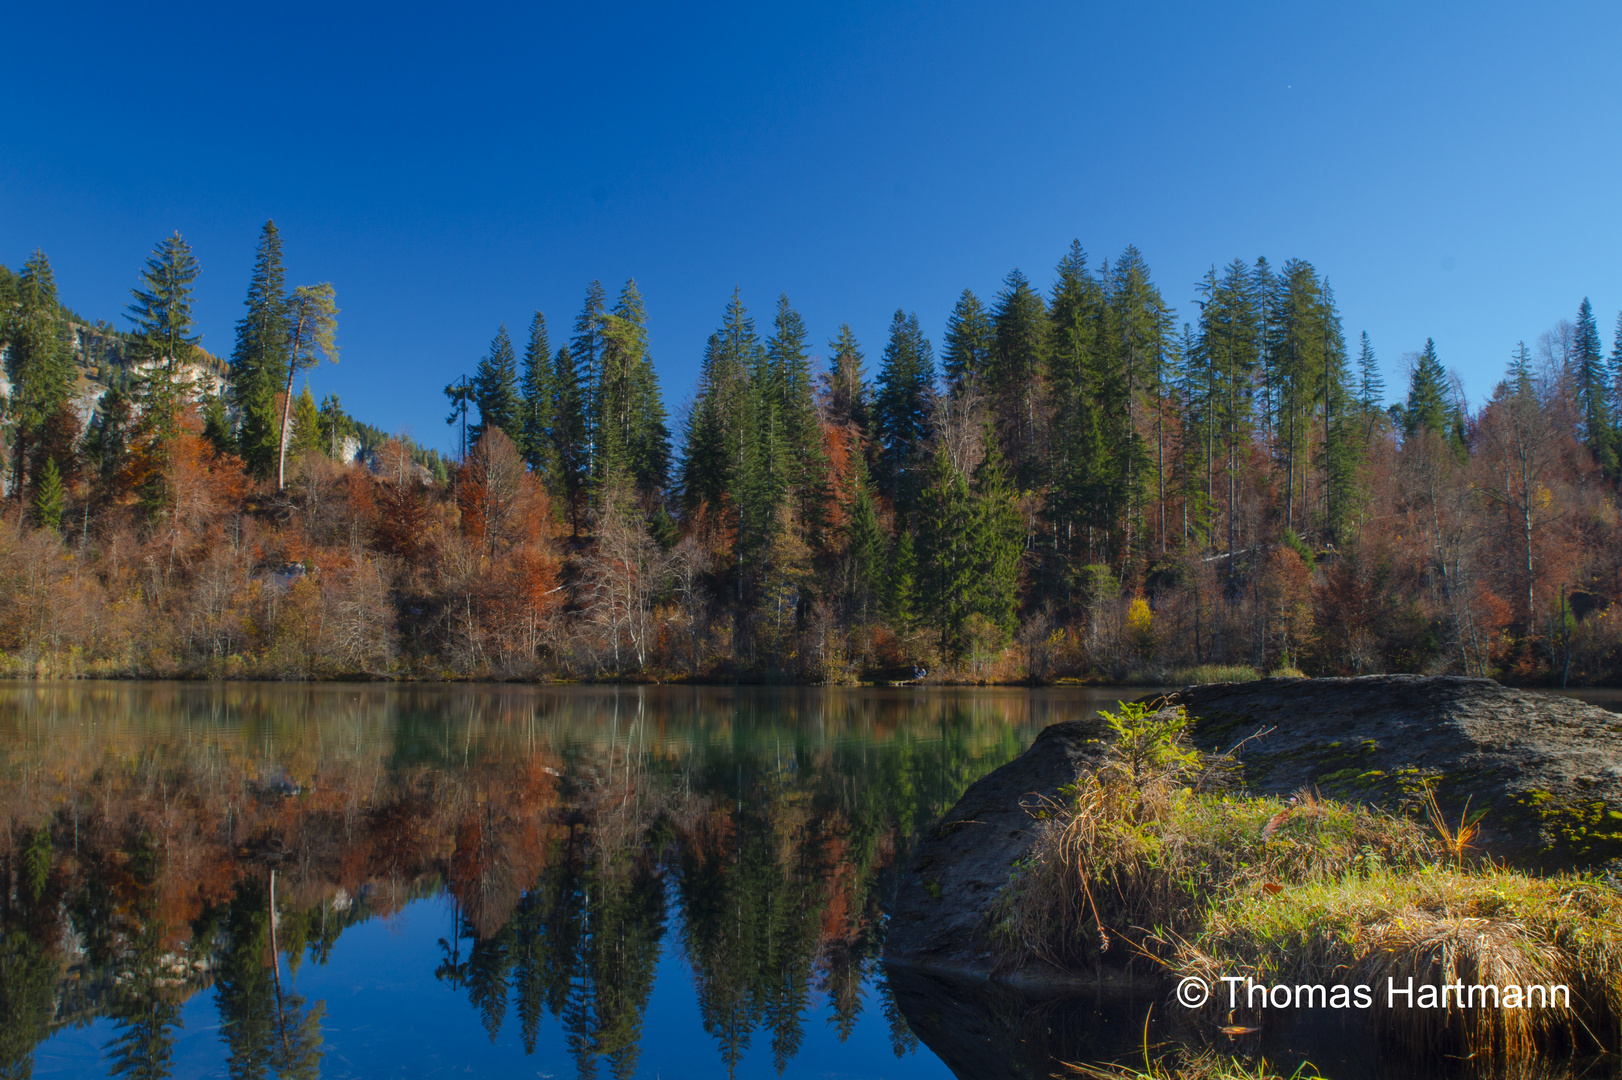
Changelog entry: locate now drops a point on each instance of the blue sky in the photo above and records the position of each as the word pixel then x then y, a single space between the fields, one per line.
pixel 1452 168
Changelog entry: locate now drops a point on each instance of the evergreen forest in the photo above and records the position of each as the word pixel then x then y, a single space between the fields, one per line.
pixel 1076 482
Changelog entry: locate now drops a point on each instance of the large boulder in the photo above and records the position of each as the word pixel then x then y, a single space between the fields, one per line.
pixel 957 868
pixel 1547 770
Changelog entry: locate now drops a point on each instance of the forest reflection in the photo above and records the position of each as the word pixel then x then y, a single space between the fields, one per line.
pixel 164 840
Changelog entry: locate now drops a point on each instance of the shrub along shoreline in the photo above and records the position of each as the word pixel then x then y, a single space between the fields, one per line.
pixel 1159 860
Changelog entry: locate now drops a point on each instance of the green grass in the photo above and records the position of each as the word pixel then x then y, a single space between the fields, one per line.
pixel 1138 863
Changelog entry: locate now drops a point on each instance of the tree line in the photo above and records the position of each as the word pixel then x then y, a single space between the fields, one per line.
pixel 1080 484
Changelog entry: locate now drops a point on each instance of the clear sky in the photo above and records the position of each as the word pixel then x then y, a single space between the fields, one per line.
pixel 1452 168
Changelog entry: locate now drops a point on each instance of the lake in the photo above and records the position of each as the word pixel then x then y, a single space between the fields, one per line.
pixel 376 881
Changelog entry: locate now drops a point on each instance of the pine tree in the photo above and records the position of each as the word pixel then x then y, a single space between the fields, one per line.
pixel 901 409
pixel 495 389
pixel 537 393
pixel 39 360
pixel 966 357
pixel 48 497
pixel 260 356
pixel 1589 379
pixel 1427 405
pixel 312 317
pixel 1015 379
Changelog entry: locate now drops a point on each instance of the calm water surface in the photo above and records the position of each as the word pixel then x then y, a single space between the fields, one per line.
pixel 653 882
pixel 358 881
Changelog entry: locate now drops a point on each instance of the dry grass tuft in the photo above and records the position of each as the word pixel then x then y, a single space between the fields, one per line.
pixel 1137 863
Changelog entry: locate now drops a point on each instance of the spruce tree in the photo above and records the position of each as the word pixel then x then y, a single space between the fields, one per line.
pixel 997 540
pixel 1015 388
pixel 633 440
pixel 796 410
pixel 586 349
pixel 536 393
pixel 569 434
pixel 48 497
pixel 1589 379
pixel 495 389
pixel 260 356
pixel 966 357
pixel 1370 389
pixel 39 359
pixel 1427 406
pixel 865 548
pixel 845 382
pixel 948 575
pixel 901 409
pixel 1519 375
pixel 164 344
pixel 1227 350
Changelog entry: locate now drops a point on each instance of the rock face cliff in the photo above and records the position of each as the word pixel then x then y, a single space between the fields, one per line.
pixel 1547 770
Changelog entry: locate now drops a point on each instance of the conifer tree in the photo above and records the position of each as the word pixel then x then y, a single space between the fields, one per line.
pixel 1079 506
pixel 901 409
pixel 495 389
pixel 312 317
pixel 335 426
pixel 865 547
pixel 586 349
pixel 1588 378
pixel 796 412
pixel 947 575
pixel 164 344
pixel 569 435
pixel 1616 384
pixel 1427 406
pixel 1340 449
pixel 632 437
pixel 260 356
pixel 48 497
pixel 1370 389
pixel 536 394
pixel 966 357
pixel 306 431
pixel 900 590
pixel 845 383
pixel 1520 369
pixel 998 539
pixel 1228 351
pixel 1015 380
pixel 39 360
pixel 216 427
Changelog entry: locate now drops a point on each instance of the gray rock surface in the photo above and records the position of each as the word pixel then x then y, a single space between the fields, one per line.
pixel 959 866
pixel 1546 769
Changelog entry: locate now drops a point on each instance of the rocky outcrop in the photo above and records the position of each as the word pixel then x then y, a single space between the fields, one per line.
pixel 1547 770
pixel 959 866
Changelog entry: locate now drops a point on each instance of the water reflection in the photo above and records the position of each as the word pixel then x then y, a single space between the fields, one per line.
pixel 168 840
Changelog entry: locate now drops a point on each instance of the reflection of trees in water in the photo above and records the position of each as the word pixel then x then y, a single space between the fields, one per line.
pixel 562 827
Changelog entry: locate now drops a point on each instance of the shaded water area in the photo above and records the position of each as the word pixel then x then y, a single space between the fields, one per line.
pixel 325 880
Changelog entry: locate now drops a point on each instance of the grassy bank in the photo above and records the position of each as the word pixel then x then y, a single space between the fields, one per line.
pixel 1161 860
